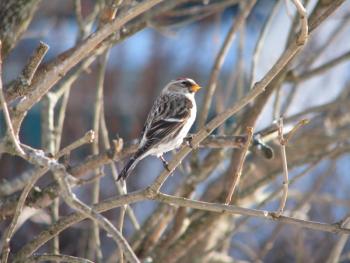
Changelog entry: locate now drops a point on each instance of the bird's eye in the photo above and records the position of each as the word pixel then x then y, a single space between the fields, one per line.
pixel 185 83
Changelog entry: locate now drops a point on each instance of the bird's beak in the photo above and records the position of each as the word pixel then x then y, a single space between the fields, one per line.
pixel 195 88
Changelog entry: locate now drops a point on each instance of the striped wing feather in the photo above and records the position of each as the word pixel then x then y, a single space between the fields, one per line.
pixel 166 119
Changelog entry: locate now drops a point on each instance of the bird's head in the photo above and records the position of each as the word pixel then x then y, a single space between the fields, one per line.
pixel 182 85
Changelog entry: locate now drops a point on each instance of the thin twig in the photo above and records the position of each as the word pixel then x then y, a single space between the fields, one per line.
pixel 88 137
pixel 303 35
pixel 19 208
pixel 320 69
pixel 102 65
pixel 237 175
pixel 121 190
pixel 285 182
pixel 299 125
pixel 230 209
pixel 261 40
pixel 10 131
pixel 75 203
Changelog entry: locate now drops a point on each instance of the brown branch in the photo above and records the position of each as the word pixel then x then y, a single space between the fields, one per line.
pixel 18 86
pixel 283 143
pixel 72 201
pixel 72 57
pixel 18 210
pixel 138 196
pixel 339 245
pixel 237 175
pixel 319 70
pixel 37 158
pixel 57 258
pixel 10 131
pixel 119 187
pixel 15 15
pixel 234 210
pixel 73 218
pixel 261 40
pixel 34 61
pixel 296 127
pixel 88 137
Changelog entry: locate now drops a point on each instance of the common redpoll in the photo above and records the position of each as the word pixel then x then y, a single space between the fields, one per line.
pixel 170 119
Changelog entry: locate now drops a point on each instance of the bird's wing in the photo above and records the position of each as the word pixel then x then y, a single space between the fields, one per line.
pixel 166 119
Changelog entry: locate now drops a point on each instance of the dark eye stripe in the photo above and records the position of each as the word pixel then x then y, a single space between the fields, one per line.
pixel 187 83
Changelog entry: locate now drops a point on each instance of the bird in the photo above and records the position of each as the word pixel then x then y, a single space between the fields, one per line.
pixel 168 122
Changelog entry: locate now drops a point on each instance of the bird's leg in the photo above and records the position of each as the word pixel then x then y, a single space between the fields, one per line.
pixel 165 163
pixel 188 141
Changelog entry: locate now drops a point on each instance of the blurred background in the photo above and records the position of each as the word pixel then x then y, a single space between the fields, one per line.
pixel 179 44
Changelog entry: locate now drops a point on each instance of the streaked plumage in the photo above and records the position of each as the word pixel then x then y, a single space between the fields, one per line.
pixel 170 119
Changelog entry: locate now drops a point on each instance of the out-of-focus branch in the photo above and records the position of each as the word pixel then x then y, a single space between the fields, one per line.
pixel 57 258
pixel 261 40
pixel 19 208
pixel 37 157
pixel 321 11
pixel 15 18
pixel 210 90
pixel 305 200
pixel 75 203
pixel 10 131
pixel 319 70
pixel 338 247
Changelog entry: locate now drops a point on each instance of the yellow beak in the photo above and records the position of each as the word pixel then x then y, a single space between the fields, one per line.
pixel 195 88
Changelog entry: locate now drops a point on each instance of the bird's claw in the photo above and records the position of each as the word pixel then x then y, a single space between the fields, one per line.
pixel 188 140
pixel 165 163
pixel 166 166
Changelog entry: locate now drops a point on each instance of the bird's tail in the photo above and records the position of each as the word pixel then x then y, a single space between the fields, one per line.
pixel 130 165
pixel 128 168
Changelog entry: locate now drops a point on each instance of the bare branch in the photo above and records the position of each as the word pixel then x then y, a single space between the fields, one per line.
pixel 10 131
pixel 237 175
pixel 285 182
pixel 88 137
pixel 18 86
pixel 74 56
pixel 59 258
pixel 19 207
pixel 321 69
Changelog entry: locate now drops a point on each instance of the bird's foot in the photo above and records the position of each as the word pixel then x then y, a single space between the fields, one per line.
pixel 188 140
pixel 165 163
